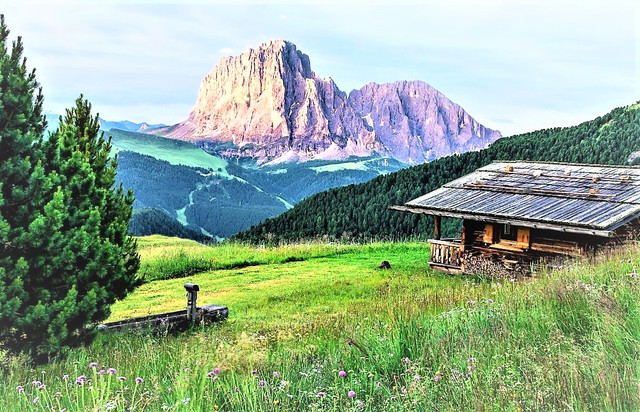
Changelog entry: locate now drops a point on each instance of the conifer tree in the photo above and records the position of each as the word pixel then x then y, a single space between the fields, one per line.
pixel 65 256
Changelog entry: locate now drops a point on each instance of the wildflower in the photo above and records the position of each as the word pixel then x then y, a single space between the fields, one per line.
pixel 111 371
pixel 417 378
pixel 187 369
pixel 122 378
pixel 36 399
pixel 236 389
pixel 406 361
pixel 215 378
pixel 276 402
pixel 102 372
pixel 342 374
pixel 436 378
pixel 470 360
pixel 36 383
pixel 20 389
pixel 65 377
pixel 254 372
pixel 321 395
pixel 139 380
pixel 186 401
pixel 351 394
pixel 621 260
pixel 629 260
pixel 216 371
pixel 632 274
pixel 489 300
pixel 360 404
pixel 210 374
pixel 275 374
pixel 93 365
pixel 41 387
pixel 261 383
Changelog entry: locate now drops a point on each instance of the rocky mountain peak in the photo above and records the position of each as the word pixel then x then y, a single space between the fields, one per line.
pixel 268 103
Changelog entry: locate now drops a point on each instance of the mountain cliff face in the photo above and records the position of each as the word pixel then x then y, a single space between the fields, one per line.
pixel 268 104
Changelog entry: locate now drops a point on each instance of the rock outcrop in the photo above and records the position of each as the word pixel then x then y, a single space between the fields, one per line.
pixel 267 103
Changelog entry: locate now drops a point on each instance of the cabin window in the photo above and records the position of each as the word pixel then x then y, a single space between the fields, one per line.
pixel 508 232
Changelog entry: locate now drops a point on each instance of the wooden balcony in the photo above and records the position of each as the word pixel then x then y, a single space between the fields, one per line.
pixel 446 255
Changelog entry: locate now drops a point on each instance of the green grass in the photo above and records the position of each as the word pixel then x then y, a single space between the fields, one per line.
pixel 173 151
pixel 407 338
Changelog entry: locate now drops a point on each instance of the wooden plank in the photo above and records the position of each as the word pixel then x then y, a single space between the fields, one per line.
pixel 488 233
pixel 436 227
pixel 523 237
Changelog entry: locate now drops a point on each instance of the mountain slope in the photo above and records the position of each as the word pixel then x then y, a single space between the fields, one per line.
pixel 268 104
pixel 360 211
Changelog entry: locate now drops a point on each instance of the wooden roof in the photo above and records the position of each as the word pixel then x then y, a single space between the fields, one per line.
pixel 591 199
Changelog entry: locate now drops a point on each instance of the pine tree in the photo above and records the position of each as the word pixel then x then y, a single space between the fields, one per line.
pixel 65 256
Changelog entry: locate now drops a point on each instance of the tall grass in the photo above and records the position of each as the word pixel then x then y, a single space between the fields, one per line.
pixel 563 340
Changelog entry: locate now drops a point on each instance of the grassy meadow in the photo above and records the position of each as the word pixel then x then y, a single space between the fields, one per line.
pixel 320 327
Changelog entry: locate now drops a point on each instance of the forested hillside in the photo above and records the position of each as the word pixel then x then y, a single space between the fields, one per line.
pixel 150 221
pixel 360 211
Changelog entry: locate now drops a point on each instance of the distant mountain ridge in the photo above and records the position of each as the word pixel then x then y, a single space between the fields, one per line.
pixel 268 104
pixel 128 126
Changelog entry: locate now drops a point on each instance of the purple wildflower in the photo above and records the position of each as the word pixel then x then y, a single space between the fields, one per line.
pixel 632 274
pixel 215 378
pixel 276 374
pixel 102 372
pixel 489 300
pixel 351 394
pixel 36 383
pixel 139 380
pixel 210 374
pixel 187 369
pixel 93 365
pixel 20 389
pixel 342 374
pixel 236 389
pixel 122 378
pixel 36 399
pixel 406 361
pixel 261 383
pixel 360 404
pixel 65 377
pixel 417 378
pixel 436 378
pixel 629 261
pixel 41 387
pixel 216 370
pixel 112 371
pixel 321 395
pixel 254 372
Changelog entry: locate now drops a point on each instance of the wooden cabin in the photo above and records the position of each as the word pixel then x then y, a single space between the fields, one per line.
pixel 517 213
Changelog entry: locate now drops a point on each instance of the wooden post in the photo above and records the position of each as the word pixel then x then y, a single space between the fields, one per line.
pixel 436 227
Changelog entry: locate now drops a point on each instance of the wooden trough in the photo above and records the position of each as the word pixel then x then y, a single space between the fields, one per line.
pixel 176 320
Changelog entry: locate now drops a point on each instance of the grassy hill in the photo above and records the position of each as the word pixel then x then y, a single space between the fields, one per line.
pixel 360 211
pixel 406 338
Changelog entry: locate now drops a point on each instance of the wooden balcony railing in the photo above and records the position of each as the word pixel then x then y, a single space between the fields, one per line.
pixel 446 253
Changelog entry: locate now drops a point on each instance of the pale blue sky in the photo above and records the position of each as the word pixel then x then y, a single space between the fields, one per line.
pixel 515 66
